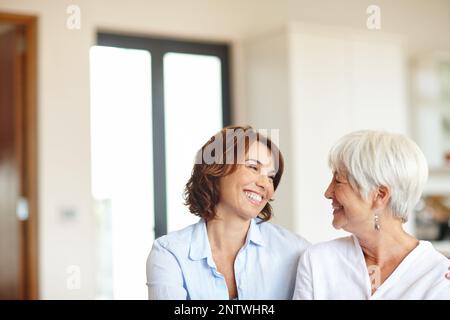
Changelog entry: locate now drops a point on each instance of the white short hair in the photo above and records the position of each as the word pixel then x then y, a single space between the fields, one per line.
pixel 371 159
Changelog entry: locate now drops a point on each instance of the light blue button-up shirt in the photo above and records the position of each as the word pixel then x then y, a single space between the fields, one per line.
pixel 180 264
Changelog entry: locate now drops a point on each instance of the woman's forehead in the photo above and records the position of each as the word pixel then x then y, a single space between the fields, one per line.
pixel 260 152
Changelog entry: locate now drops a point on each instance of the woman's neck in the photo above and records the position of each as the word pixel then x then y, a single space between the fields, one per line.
pixel 227 233
pixel 390 243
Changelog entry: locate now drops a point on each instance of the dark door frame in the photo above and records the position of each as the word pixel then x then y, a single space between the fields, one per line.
pixel 28 168
pixel 158 48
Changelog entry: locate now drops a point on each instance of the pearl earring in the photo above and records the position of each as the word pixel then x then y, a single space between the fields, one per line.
pixel 377 223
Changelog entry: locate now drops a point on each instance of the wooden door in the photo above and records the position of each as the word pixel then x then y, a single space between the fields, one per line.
pixel 18 241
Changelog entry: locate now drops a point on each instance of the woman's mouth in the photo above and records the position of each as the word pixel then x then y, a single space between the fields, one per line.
pixel 337 208
pixel 253 197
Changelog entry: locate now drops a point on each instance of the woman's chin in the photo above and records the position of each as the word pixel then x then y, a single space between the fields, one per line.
pixel 338 223
pixel 252 210
pixel 336 226
pixel 249 214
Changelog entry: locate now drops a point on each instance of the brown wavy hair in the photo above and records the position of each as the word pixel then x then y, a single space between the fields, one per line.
pixel 201 193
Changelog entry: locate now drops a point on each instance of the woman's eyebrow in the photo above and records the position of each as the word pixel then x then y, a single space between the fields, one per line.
pixel 254 160
pixel 260 163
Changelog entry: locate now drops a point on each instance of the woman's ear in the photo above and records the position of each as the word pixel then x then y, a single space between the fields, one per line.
pixel 382 197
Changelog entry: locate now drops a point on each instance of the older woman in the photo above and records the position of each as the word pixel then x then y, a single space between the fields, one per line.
pixel 378 178
pixel 232 252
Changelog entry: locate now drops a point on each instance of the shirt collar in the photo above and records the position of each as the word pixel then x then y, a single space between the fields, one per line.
pixel 254 233
pixel 201 249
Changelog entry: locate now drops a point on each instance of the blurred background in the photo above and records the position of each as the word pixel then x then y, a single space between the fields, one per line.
pixel 103 105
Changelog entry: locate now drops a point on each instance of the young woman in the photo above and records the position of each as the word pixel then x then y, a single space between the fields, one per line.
pixel 233 252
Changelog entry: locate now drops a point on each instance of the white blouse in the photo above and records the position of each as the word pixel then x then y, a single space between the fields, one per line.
pixel 337 270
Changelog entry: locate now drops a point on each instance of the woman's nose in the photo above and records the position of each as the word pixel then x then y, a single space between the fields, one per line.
pixel 263 181
pixel 329 192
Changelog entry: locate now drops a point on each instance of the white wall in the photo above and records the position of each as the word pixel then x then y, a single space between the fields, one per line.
pixel 341 80
pixel 267 98
pixel 63 93
pixel 423 23
pixel 317 83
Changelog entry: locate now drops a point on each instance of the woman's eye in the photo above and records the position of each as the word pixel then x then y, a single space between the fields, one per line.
pixel 338 181
pixel 252 166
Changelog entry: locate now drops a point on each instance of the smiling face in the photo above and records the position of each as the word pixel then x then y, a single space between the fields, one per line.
pixel 350 211
pixel 246 191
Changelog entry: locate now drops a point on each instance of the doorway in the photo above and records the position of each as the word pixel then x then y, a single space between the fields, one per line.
pixel 18 158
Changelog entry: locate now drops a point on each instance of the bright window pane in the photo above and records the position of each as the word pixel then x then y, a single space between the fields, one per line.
pixel 122 175
pixel 193 113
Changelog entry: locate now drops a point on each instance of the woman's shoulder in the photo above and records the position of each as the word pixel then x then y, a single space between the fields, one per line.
pixel 428 268
pixel 433 252
pixel 177 238
pixel 331 247
pixel 433 260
